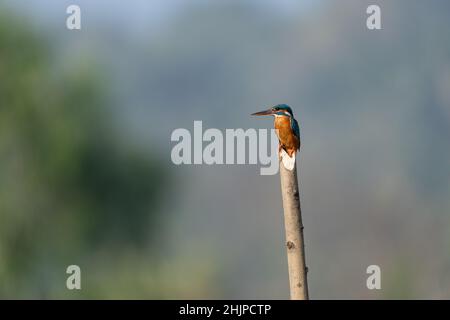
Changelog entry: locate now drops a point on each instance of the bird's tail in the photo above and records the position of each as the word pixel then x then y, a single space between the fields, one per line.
pixel 288 162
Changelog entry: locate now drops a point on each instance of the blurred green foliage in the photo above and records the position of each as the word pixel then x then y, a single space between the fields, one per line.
pixel 71 191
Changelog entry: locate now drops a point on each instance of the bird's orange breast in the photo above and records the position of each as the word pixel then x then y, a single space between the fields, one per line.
pixel 288 140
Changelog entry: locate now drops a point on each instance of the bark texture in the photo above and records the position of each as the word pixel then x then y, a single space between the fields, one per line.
pixel 294 234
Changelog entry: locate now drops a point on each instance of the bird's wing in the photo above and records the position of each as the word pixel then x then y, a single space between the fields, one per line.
pixel 295 127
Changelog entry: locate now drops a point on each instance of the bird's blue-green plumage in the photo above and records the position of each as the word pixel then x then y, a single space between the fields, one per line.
pixel 295 127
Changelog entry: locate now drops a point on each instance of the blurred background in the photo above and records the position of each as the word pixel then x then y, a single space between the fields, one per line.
pixel 86 176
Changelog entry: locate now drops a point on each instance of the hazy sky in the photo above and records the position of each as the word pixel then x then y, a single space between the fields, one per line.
pixel 136 13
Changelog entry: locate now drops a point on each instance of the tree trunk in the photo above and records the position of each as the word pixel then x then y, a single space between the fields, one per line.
pixel 294 234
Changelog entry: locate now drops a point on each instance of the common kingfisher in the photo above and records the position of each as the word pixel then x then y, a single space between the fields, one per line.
pixel 287 130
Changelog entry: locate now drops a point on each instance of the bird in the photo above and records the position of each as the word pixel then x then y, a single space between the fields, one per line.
pixel 288 132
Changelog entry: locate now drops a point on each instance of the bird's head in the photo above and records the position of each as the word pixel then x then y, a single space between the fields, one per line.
pixel 282 110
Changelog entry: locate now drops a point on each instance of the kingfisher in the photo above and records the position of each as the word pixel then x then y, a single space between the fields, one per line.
pixel 287 130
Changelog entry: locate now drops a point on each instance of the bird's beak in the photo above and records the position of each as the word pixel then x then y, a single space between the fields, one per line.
pixel 268 112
